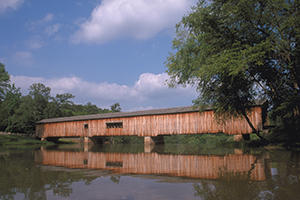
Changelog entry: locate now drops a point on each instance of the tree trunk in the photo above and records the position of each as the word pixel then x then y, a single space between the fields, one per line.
pixel 252 127
pixel 297 48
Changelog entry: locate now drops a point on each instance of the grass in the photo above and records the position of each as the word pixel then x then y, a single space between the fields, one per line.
pixel 208 140
pixel 21 141
pixel 69 141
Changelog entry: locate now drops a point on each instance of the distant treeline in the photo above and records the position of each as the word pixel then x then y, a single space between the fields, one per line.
pixel 19 112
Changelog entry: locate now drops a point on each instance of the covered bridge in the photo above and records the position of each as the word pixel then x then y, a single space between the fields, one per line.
pixel 149 124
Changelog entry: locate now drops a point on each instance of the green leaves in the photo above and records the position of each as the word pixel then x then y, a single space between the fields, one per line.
pixel 4 80
pixel 239 51
pixel 20 113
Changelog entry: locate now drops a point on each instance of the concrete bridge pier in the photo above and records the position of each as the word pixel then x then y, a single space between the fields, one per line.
pixel 154 140
pixel 86 143
pixel 87 140
pixel 241 137
pixel 150 142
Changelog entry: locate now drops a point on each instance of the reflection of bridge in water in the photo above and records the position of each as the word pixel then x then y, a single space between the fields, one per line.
pixel 192 166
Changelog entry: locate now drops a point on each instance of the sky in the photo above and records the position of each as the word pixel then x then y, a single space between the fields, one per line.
pixel 101 51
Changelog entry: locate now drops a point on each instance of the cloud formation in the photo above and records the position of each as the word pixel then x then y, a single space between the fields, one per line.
pixel 9 4
pixel 36 42
pixel 23 57
pixel 48 17
pixel 140 19
pixel 36 25
pixel 52 29
pixel 43 29
pixel 149 91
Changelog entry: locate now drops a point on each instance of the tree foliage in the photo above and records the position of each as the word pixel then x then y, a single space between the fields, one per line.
pixel 4 80
pixel 241 51
pixel 19 113
pixel 115 107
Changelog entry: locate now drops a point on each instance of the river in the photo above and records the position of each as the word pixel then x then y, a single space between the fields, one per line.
pixel 112 172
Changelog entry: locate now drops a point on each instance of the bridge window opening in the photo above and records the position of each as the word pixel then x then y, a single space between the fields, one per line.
pixel 114 164
pixel 86 126
pixel 114 124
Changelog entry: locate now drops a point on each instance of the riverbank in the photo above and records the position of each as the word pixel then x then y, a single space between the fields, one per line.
pixel 21 141
pixel 208 141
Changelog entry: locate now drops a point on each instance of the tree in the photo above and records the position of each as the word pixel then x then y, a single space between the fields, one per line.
pixel 115 107
pixel 9 105
pixel 238 52
pixel 32 108
pixel 60 106
pixel 20 113
pixel 91 109
pixel 23 120
pixel 40 95
pixel 4 81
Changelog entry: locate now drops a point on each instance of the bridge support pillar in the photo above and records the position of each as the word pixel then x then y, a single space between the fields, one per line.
pixel 241 137
pixel 86 139
pixel 237 138
pixel 148 148
pixel 148 140
pixel 86 143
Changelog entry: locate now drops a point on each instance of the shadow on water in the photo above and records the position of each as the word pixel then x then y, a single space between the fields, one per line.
pixel 63 172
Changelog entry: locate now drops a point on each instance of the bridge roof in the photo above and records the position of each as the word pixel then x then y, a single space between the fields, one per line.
pixel 122 114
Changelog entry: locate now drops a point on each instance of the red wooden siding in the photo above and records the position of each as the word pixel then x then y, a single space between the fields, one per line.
pixel 153 125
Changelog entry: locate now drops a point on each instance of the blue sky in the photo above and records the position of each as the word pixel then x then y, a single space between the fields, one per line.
pixel 101 51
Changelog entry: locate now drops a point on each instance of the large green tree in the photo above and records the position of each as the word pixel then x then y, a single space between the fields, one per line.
pixel 7 101
pixel 241 51
pixel 40 95
pixel 8 107
pixel 4 81
pixel 115 107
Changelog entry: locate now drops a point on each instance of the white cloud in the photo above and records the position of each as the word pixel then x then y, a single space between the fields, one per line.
pixel 36 25
pixel 25 81
pixel 35 42
pixel 139 19
pixel 48 17
pixel 9 4
pixel 52 29
pixel 42 28
pixel 23 57
pixel 149 91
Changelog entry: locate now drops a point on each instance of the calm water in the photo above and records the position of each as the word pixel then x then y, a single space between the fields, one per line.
pixel 165 172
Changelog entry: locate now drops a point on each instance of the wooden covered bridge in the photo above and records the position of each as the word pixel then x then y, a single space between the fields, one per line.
pixel 150 124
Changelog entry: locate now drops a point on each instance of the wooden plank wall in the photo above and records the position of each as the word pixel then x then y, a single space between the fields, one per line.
pixel 167 124
pixel 193 166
